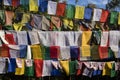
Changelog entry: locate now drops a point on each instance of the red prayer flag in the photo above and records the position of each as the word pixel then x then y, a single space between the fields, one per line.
pixel 104 16
pixel 54 51
pixel 60 9
pixel 15 3
pixel 10 39
pixel 5 51
pixel 103 52
pixel 38 67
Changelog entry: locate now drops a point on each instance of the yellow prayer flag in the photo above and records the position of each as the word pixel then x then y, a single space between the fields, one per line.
pixel 85 51
pixel 68 23
pixel 119 18
pixel 17 26
pixel 36 51
pixel 109 64
pixel 107 69
pixel 25 18
pixel 86 36
pixel 79 12
pixel 20 71
pixel 65 66
pixel 33 5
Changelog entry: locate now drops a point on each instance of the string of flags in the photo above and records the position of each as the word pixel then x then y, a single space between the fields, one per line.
pixel 60 15
pixel 42 68
pixel 86 45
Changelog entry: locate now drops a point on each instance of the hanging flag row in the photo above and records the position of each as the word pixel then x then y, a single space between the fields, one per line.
pixel 27 21
pixel 77 45
pixel 42 68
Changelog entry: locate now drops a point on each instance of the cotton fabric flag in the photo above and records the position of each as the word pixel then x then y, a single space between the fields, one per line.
pixel 45 24
pixel 15 3
pixel 69 36
pixel 113 17
pixel 74 52
pixel 72 67
pixel 7 2
pixel 3 65
pixel 56 21
pixel 37 21
pixel 103 52
pixel 9 17
pixel 10 39
pixel 104 16
pixel 11 65
pixel 14 35
pixel 65 52
pixel 20 66
pixel 77 38
pixel 33 35
pixel 22 38
pixel 43 5
pixel 17 26
pixel 114 40
pixel 79 12
pixel 25 18
pixel 52 7
pixel 60 9
pixel 54 52
pixel 94 52
pixel 2 17
pixel 68 23
pixel 60 39
pixel 29 68
pixel 23 51
pixel 65 66
pixel 97 14
pixel 107 69
pixel 5 51
pixel 53 37
pixel 47 68
pixel 29 54
pixel 38 67
pixel 104 38
pixel 14 51
pixel 33 5
pixel 43 38
pixel 36 52
pixel 88 13
pixel 46 52
pixel 85 48
pixel 86 36
pixel 70 11
pixel 25 4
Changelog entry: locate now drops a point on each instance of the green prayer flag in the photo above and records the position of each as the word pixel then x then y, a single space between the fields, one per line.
pixel 70 11
pixel 113 72
pixel 72 67
pixel 46 53
pixel 94 52
pixel 2 17
pixel 110 53
pixel 113 17
pixel 29 71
